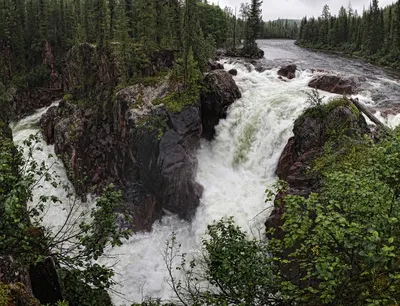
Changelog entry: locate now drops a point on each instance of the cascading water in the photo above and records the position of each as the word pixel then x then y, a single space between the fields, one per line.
pixel 235 169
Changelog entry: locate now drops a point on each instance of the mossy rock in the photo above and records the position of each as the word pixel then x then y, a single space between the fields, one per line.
pixel 16 295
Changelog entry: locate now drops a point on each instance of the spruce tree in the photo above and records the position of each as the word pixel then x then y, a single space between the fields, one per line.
pixel 253 28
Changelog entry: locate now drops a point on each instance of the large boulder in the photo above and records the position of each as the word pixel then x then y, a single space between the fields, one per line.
pixel 334 84
pixel 288 71
pixel 146 151
pixel 312 130
pixel 220 92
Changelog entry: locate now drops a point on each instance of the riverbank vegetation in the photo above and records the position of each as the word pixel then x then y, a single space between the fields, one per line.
pixel 373 34
pixel 339 246
pixel 280 29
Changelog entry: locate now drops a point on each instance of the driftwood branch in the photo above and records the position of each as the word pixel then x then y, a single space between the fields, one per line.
pixel 367 113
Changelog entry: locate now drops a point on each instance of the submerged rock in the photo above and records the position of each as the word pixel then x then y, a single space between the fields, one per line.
pixel 233 72
pixel 288 72
pixel 220 92
pixel 334 84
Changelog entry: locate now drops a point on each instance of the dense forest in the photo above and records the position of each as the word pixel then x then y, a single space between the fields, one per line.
pixel 281 28
pixel 373 34
pixel 33 33
pixel 36 35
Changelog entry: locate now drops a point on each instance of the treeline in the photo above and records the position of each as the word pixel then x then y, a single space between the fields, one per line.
pixel 281 28
pixel 375 34
pixel 37 32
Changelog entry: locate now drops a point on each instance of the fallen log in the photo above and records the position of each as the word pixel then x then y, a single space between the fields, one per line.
pixel 371 117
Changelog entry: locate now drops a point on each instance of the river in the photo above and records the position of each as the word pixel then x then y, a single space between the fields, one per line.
pixel 238 166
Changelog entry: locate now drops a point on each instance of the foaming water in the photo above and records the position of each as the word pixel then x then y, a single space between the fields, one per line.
pixel 235 169
pixel 55 215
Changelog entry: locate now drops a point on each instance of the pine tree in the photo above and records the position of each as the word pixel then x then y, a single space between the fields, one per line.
pixel 253 28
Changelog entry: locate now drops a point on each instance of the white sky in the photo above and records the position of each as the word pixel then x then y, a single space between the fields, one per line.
pixel 296 9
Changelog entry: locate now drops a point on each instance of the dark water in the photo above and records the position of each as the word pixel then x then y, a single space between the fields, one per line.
pixel 381 85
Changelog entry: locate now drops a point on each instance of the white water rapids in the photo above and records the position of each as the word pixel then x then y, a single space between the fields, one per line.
pixel 235 169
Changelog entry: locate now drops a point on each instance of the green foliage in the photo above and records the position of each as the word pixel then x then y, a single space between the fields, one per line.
pixel 79 293
pixel 156 124
pixel 313 97
pixel 5 103
pixel 187 76
pixel 253 27
pixel 320 111
pixel 25 238
pixel 349 232
pixel 213 22
pixel 4 295
pixel 340 247
pixel 232 270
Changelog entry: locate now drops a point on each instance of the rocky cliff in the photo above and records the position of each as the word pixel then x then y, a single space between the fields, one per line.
pixel 319 125
pixel 123 137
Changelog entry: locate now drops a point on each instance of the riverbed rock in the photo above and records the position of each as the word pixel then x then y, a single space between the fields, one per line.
pixel 288 72
pixel 312 130
pixel 220 92
pixel 233 72
pixel 334 84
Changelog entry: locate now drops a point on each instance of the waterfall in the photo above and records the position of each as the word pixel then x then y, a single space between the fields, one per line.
pixel 235 169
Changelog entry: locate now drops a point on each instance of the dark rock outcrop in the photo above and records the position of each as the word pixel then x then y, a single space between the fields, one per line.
pixel 145 151
pixel 288 72
pixel 45 282
pixel 312 130
pixel 233 72
pixel 214 65
pixel 334 84
pixel 243 53
pixel 130 140
pixel 220 92
pixel 26 102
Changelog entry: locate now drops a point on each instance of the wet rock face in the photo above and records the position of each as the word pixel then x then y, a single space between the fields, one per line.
pixel 288 72
pixel 311 131
pixel 221 91
pixel 145 151
pixel 129 140
pixel 334 84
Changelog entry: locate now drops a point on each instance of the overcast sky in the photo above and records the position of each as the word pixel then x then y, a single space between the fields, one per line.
pixel 296 9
